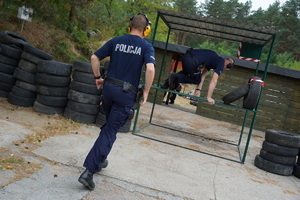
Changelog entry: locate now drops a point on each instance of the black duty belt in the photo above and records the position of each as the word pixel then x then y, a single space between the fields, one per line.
pixel 125 85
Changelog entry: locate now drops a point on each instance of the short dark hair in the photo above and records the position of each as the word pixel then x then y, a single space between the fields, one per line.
pixel 139 22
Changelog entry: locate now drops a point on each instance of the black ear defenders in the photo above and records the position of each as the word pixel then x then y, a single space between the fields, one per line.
pixel 230 65
pixel 147 28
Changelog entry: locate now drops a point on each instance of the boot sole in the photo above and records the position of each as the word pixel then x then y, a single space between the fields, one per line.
pixel 82 181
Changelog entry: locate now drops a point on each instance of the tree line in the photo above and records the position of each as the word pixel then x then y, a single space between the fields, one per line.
pixel 111 18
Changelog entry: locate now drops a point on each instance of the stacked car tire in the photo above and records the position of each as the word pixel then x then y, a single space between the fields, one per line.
pixel 279 153
pixel 11 49
pixel 250 93
pixel 25 74
pixel 83 97
pixel 52 86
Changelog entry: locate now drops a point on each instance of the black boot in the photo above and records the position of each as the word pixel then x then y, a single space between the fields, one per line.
pixel 86 178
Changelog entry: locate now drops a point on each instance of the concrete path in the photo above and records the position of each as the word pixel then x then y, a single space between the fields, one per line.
pixel 141 168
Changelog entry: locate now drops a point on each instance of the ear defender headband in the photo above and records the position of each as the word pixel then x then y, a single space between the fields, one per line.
pixel 147 28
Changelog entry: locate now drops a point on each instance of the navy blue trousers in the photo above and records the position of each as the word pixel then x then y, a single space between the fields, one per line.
pixel 118 106
pixel 190 73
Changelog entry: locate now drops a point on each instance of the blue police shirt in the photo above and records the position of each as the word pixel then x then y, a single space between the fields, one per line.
pixel 211 58
pixel 128 54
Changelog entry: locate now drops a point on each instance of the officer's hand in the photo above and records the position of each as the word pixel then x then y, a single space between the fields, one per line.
pixel 145 97
pixel 211 101
pixel 99 82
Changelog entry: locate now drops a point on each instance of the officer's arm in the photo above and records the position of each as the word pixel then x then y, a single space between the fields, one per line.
pixel 150 71
pixel 199 86
pixel 96 70
pixel 211 88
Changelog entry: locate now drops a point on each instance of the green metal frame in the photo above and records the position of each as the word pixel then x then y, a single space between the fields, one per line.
pixel 242 151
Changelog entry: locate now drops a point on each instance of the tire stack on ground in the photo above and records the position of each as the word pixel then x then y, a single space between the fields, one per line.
pixel 83 97
pixel 24 91
pixel 11 49
pixel 250 92
pixel 279 152
pixel 52 86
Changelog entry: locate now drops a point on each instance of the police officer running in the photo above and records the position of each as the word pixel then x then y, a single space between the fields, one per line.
pixel 128 54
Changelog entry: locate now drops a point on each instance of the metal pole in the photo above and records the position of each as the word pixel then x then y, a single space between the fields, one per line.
pixel 161 67
pixel 22 25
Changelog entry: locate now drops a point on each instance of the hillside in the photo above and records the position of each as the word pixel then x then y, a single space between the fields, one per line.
pixel 60 44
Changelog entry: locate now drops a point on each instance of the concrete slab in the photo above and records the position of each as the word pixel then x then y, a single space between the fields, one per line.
pixel 141 168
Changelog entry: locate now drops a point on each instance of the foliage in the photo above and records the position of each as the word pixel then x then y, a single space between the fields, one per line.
pixel 111 18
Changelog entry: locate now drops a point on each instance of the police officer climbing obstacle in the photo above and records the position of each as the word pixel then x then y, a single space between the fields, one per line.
pixel 128 54
pixel 196 63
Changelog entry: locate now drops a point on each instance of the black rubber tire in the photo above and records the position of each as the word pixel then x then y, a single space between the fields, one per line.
pixel 52 91
pixel 20 101
pixel 26 86
pixel 7 60
pixel 298 158
pixel 236 94
pixel 6 87
pixel 279 150
pixel 7 78
pixel 11 52
pixel 48 110
pixel 283 138
pixel 54 68
pixel 52 80
pixel 37 52
pixel 85 88
pixel 283 160
pixel 251 98
pixel 9 37
pixel 253 77
pixel 31 58
pixel 24 76
pixel 79 117
pixel 272 167
pixel 83 97
pixel 52 101
pixel 85 108
pixel 23 93
pixel 3 94
pixel 83 66
pixel 27 66
pixel 296 171
pixel 7 69
pixel 83 77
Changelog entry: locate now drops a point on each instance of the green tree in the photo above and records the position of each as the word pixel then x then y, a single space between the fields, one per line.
pixel 288 24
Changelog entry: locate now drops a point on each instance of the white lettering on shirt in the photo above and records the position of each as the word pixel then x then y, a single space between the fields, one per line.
pixel 128 49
